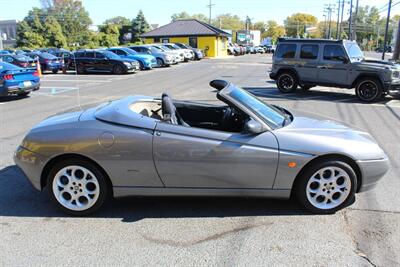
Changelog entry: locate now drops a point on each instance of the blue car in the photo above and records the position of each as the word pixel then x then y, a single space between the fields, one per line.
pixel 17 81
pixel 48 62
pixel 146 62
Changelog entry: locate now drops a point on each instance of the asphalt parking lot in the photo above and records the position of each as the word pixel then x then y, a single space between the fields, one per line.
pixel 197 231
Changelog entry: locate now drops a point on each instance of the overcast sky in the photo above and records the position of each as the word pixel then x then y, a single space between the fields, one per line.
pixel 160 11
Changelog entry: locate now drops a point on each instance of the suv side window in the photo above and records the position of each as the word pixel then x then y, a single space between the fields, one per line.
pixel 334 53
pixel 89 54
pixel 286 51
pixel 309 51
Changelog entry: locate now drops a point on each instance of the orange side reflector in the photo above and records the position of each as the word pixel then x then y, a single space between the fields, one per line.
pixel 292 164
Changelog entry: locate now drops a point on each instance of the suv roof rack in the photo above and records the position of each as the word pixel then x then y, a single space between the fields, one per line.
pixel 308 40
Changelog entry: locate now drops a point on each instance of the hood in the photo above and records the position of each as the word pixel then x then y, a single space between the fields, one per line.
pixel 316 135
pixel 376 64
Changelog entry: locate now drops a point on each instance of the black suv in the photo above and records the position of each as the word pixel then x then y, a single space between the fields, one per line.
pixel 103 61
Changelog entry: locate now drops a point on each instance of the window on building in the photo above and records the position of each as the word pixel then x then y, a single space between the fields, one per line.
pixel 156 40
pixel 334 53
pixel 193 42
pixel 309 51
pixel 286 51
pixel 165 40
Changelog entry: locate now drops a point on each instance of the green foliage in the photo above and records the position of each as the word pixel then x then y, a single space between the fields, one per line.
pixel 139 26
pixel 185 15
pixel 229 22
pixel 294 24
pixel 259 25
pixel 123 24
pixel 273 30
pixel 53 33
pixel 108 35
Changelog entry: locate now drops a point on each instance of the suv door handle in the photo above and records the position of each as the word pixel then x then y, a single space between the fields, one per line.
pixel 322 67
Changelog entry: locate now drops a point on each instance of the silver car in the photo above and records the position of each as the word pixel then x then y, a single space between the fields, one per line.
pixel 164 59
pixel 146 146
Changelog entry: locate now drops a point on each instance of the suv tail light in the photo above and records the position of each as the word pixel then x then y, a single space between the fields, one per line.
pixel 8 77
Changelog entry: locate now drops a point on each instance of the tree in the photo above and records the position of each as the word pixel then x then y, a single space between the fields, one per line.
pixel 108 35
pixel 273 30
pixel 139 26
pixel 53 33
pixel 229 22
pixel 295 24
pixel 30 30
pixel 185 15
pixel 72 17
pixel 123 24
pixel 259 25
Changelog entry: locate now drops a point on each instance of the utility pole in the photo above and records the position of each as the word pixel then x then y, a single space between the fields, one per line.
pixel 325 25
pixel 354 35
pixel 329 9
pixel 396 53
pixel 351 20
pixel 341 20
pixel 337 23
pixel 386 29
pixel 210 8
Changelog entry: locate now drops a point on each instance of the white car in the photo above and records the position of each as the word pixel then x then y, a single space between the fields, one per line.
pixel 178 55
pixel 187 53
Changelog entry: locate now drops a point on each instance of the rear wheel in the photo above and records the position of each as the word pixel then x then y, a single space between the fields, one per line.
pixel 80 70
pixel 54 71
pixel 141 65
pixel 287 82
pixel 77 187
pixel 369 90
pixel 326 187
pixel 118 69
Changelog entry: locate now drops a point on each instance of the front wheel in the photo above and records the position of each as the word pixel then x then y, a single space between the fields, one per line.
pixel 54 71
pixel 160 62
pixel 77 187
pixel 118 69
pixel 287 82
pixel 369 90
pixel 326 187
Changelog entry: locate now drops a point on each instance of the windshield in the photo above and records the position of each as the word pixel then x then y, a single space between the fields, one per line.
pixel 158 49
pixel 22 57
pixel 164 48
pixel 169 47
pixel 110 55
pixel 354 51
pixel 271 115
pixel 130 51
pixel 47 55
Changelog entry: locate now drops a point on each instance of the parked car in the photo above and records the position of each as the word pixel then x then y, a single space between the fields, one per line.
pixel 17 81
pixel 198 54
pixel 231 50
pixel 146 62
pixel 48 62
pixel 388 49
pixel 186 53
pixel 20 60
pixel 270 49
pixel 259 49
pixel 164 59
pixel 66 56
pixel 179 56
pixel 103 61
pixel 152 146
pixel 333 63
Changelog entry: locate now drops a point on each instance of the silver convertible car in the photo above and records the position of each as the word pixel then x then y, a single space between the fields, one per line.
pixel 146 146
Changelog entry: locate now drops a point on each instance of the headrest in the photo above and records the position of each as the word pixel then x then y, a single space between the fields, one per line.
pixel 219 84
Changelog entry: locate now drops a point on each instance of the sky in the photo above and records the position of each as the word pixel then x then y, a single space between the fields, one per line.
pixel 160 11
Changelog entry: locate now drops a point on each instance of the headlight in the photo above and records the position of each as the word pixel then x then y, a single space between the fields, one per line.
pixel 395 74
pixel 128 64
pixel 168 57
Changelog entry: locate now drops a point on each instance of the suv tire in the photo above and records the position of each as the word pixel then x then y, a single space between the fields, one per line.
pixel 369 89
pixel 287 82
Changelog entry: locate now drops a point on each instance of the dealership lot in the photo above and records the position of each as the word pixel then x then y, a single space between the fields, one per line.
pixel 196 231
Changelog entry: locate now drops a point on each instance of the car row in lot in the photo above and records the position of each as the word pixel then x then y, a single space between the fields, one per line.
pixel 19 81
pixel 237 50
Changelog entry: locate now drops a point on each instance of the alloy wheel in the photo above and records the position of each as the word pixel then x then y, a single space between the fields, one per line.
pixel 368 90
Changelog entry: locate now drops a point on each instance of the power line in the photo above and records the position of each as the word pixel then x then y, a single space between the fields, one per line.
pixel 210 8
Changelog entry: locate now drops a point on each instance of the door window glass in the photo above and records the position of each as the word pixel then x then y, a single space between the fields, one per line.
pixel 309 51
pixel 334 53
pixel 286 51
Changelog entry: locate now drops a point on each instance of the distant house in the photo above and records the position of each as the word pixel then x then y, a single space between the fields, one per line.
pixel 8 31
pixel 211 40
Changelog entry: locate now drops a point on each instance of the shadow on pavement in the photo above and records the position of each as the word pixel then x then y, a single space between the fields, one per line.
pixel 11 98
pixel 272 92
pixel 18 198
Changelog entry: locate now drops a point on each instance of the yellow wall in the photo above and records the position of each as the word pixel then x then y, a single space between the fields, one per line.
pixel 212 46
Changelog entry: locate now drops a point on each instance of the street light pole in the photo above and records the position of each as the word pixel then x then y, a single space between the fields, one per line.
pixel 386 29
pixel 351 20
pixel 337 23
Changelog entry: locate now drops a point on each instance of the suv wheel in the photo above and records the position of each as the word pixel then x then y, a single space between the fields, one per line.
pixel 369 89
pixel 287 82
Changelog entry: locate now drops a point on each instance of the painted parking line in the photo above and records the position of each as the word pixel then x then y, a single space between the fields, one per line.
pixel 52 90
pixel 77 80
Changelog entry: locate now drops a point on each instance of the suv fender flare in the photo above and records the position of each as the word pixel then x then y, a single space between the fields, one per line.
pixel 367 75
pixel 292 70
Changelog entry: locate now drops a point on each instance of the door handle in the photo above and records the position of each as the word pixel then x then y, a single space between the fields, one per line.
pixel 158 133
pixel 322 67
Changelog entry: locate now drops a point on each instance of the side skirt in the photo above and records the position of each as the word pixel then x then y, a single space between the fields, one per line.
pixel 123 191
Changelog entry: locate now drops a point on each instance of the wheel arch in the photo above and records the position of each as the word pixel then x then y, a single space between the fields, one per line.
pixel 366 75
pixel 59 158
pixel 291 70
pixel 353 164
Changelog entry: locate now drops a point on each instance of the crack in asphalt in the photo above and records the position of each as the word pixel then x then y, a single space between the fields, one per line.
pixel 216 236
pixel 374 210
pixel 356 245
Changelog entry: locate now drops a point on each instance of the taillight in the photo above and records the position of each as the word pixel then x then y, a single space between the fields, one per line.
pixel 36 74
pixel 8 77
pixel 24 65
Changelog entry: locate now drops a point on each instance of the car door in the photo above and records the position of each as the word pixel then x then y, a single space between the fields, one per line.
pixel 333 67
pixel 191 157
pixel 89 61
pixel 307 67
pixel 102 63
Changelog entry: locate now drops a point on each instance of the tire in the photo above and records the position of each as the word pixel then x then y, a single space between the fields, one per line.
pixel 118 69
pixel 160 62
pixel 326 187
pixel 54 71
pixel 80 70
pixel 369 90
pixel 287 82
pixel 80 181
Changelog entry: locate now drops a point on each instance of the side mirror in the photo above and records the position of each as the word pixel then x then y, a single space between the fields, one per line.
pixel 253 127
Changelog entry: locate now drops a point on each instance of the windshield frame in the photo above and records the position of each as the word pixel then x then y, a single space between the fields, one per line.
pixel 268 122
